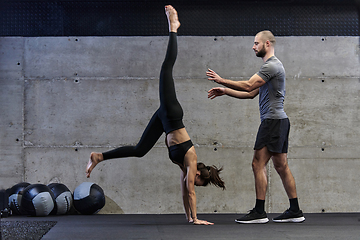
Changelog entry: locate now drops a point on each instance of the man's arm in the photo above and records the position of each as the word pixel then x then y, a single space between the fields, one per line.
pixel 247 86
pixel 219 91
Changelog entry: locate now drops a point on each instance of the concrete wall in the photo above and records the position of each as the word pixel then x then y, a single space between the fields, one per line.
pixel 64 97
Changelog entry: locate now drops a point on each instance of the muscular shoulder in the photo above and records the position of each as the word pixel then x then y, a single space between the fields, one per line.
pixel 271 65
pixel 271 68
pixel 190 157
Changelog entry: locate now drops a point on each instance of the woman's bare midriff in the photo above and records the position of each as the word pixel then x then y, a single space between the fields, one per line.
pixel 176 137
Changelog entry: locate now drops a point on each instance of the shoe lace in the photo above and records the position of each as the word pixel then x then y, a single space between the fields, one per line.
pixel 251 211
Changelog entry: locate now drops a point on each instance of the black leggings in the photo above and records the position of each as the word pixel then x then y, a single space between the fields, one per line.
pixel 166 119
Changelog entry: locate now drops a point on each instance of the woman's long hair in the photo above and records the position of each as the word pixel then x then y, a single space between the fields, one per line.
pixel 210 174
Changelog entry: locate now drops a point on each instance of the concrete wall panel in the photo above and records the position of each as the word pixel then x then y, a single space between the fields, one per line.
pixel 11 109
pixel 67 112
pixel 231 57
pixel 319 56
pixel 323 111
pixel 11 57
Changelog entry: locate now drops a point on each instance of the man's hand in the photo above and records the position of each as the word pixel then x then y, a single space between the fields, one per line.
pixel 216 92
pixel 213 76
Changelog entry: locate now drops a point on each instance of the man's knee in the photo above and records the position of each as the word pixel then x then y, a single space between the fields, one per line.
pixel 281 167
pixel 280 164
pixel 255 165
pixel 260 159
pixel 258 164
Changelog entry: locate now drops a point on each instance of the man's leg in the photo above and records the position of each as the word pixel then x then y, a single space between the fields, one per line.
pixel 258 215
pixel 293 214
pixel 282 168
pixel 260 160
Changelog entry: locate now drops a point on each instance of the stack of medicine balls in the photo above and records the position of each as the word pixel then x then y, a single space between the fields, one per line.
pixel 55 199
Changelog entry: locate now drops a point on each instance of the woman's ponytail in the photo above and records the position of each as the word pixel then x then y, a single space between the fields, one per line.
pixel 210 174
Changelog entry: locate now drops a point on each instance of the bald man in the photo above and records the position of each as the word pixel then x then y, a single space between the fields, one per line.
pixel 272 137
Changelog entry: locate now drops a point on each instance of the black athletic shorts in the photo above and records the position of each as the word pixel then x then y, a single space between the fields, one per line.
pixel 274 134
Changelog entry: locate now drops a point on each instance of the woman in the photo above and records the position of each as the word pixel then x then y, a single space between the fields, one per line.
pixel 168 119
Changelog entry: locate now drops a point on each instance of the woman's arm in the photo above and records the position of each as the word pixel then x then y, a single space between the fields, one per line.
pixel 191 170
pixel 190 187
pixel 185 195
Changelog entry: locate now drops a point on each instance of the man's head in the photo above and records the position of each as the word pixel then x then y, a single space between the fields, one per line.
pixel 264 43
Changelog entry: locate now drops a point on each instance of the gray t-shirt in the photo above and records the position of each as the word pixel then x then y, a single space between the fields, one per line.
pixel 272 93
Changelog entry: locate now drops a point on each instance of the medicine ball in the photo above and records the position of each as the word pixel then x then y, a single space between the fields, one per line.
pixel 38 200
pixel 89 198
pixel 15 195
pixel 63 197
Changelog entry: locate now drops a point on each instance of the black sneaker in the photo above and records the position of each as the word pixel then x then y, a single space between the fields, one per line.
pixel 290 216
pixel 253 217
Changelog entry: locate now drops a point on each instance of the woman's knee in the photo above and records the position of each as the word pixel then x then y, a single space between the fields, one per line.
pixel 140 153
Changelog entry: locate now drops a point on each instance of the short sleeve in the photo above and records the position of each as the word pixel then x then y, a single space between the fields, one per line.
pixel 267 71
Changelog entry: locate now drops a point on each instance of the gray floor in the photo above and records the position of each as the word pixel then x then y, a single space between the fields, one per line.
pixel 173 226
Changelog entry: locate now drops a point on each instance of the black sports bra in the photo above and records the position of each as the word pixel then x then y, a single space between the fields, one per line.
pixel 177 152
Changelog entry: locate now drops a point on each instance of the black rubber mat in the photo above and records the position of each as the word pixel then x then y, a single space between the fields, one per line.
pixel 174 226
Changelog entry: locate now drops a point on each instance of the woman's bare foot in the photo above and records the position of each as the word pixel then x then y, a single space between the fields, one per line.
pixel 172 17
pixel 95 158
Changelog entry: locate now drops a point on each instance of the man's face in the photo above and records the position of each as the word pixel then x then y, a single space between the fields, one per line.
pixel 259 47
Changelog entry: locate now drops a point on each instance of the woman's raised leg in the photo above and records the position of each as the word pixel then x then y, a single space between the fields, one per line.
pixel 151 134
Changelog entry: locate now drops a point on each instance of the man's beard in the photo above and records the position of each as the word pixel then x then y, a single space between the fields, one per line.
pixel 261 53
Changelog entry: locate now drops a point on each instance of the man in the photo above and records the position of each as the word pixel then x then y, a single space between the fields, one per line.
pixel 272 138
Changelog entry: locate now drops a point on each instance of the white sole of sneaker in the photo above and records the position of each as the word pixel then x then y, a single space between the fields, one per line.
pixel 291 220
pixel 262 220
